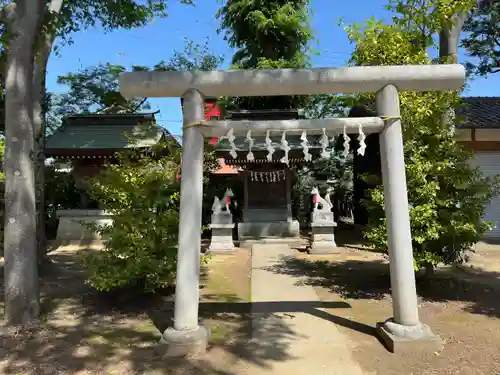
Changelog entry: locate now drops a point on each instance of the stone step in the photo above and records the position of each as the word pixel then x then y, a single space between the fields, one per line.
pixel 291 241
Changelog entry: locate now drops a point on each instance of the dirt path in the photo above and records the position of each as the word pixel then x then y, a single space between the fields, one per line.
pixel 291 330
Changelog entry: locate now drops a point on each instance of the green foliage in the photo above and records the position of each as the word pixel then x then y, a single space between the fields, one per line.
pixel 95 90
pixel 266 29
pixel 324 106
pixel 60 190
pixel 301 194
pixel 2 152
pixel 2 180
pixel 141 191
pixel 447 197
pixel 482 40
pixel 425 18
pixel 194 57
pixel 267 34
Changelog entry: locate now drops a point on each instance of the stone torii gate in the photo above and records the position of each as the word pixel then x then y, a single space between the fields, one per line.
pixel 187 336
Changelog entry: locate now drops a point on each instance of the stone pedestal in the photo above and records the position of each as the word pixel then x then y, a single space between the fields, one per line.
pixel 73 224
pixel 224 217
pixel 222 233
pixel 408 339
pixel 222 238
pixel 323 235
pixel 265 223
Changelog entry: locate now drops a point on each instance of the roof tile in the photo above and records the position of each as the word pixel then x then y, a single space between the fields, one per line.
pixel 103 132
pixel 479 112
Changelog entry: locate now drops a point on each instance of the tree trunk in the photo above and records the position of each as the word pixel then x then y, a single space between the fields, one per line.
pixel 430 272
pixel 39 92
pixel 22 303
pixel 449 40
pixel 448 54
pixel 39 74
pixel 39 142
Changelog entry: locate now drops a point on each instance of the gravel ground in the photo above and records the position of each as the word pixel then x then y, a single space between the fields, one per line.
pixel 461 305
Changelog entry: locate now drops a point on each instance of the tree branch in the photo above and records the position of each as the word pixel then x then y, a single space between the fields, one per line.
pixel 140 104
pixel 8 14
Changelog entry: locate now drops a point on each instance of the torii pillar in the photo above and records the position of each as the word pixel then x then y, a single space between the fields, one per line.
pixel 404 329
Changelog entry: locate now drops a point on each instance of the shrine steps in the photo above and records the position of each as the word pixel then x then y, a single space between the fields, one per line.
pixel 295 242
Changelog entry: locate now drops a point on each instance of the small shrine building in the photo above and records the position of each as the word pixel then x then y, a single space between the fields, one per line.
pixel 88 143
pixel 267 181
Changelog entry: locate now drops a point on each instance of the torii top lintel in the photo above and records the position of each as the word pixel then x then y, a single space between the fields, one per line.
pixel 264 82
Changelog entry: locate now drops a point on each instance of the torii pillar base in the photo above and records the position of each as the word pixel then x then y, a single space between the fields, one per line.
pixel 408 339
pixel 177 344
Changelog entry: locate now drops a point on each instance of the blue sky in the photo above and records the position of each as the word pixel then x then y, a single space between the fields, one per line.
pixel 157 41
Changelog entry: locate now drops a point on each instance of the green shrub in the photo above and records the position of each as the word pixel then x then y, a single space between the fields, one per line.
pixel 446 195
pixel 142 194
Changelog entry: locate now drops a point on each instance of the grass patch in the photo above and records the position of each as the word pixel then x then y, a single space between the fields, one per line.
pixel 220 332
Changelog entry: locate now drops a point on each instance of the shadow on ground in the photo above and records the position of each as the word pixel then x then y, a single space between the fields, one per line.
pixel 83 330
pixel 118 333
pixel 262 335
pixel 369 279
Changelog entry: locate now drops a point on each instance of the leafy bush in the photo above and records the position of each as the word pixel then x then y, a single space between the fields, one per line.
pixel 447 197
pixel 142 194
pixel 2 181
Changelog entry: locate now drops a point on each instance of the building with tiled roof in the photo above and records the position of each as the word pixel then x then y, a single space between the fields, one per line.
pixel 478 128
pixel 478 123
pixel 89 142
pixel 95 136
pixel 479 112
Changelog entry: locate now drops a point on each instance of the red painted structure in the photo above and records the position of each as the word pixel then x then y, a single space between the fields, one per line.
pixel 214 112
pixel 212 109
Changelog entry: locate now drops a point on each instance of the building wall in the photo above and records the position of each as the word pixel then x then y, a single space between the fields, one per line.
pixel 84 169
pixel 487 135
pixel 485 143
pixel 484 140
pixel 489 164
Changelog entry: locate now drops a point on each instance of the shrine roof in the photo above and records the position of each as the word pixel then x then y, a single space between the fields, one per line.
pixel 473 112
pixel 100 134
